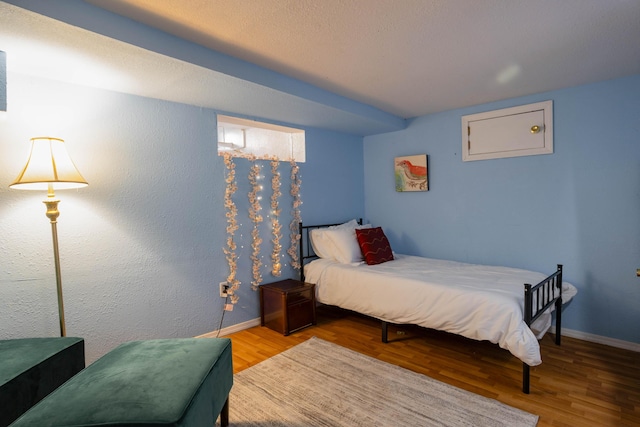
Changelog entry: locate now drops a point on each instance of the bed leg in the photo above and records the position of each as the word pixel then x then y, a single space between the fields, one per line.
pixel 558 320
pixel 385 329
pixel 525 378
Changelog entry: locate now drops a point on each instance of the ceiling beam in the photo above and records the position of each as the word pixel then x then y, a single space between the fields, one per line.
pixel 259 92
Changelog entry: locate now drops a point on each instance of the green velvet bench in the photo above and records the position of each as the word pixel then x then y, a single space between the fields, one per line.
pixel 169 382
pixel 31 368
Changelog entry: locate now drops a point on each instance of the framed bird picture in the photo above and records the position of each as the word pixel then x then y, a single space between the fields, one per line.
pixel 412 173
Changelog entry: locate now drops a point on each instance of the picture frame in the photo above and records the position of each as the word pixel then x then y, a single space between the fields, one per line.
pixel 411 173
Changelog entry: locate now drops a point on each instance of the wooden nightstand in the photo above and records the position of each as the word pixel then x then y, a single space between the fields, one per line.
pixel 287 305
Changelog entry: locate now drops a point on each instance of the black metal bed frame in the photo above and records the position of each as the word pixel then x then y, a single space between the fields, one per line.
pixel 537 299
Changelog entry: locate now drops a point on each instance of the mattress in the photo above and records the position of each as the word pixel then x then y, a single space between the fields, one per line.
pixel 476 301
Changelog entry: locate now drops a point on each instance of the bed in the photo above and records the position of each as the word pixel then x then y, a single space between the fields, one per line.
pixel 353 268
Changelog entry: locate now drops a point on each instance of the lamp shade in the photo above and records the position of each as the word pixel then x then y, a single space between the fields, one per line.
pixel 48 165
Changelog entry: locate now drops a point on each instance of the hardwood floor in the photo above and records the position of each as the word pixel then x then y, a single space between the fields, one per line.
pixel 578 384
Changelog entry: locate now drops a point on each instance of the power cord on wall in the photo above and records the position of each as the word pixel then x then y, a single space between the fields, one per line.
pixel 224 309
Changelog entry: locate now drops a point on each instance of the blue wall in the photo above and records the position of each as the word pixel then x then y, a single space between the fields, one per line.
pixel 579 206
pixel 332 177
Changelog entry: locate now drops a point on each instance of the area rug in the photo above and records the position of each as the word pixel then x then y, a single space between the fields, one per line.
pixel 318 383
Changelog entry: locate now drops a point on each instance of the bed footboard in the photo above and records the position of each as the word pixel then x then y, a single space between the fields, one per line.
pixel 537 299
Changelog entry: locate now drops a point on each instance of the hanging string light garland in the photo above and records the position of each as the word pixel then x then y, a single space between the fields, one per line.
pixel 276 228
pixel 232 227
pixel 296 219
pixel 256 219
pixel 254 215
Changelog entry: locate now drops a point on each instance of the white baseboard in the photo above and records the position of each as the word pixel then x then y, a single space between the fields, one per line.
pixel 231 329
pixel 599 339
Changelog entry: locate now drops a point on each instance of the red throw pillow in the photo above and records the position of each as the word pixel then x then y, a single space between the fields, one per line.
pixel 374 245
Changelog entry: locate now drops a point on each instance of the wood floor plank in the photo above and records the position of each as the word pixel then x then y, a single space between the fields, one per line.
pixel 578 384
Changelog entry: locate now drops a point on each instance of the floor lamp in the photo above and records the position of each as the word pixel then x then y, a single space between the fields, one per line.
pixel 50 168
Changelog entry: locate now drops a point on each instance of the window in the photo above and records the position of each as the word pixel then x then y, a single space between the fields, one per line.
pixel 244 138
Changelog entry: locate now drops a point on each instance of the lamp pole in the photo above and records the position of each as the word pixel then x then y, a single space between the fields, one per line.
pixel 52 214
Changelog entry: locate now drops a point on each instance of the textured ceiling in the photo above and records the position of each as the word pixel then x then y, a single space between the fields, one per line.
pixel 354 66
pixel 413 57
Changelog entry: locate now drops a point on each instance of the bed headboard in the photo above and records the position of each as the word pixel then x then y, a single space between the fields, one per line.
pixel 306 250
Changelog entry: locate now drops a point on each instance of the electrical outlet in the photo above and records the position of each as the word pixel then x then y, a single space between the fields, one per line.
pixel 223 289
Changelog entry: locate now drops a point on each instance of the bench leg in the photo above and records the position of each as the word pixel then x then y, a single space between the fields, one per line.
pixel 224 415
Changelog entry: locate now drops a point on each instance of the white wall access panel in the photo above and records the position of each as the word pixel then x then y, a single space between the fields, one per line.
pixel 525 130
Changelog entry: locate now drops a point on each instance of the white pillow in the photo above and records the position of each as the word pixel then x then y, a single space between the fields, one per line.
pixel 346 249
pixel 325 247
pixel 321 245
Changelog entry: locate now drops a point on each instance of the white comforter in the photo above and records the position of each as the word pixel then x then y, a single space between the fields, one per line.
pixel 476 301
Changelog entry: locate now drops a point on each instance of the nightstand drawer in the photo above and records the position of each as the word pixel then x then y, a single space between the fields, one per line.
pixel 297 297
